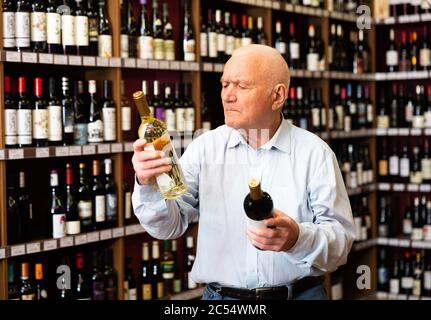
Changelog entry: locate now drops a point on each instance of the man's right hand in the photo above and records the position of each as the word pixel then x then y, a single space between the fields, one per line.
pixel 148 164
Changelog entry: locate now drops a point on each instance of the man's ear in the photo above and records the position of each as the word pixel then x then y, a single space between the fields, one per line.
pixel 279 96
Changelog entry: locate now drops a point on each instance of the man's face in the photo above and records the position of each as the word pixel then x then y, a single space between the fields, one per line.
pixel 246 94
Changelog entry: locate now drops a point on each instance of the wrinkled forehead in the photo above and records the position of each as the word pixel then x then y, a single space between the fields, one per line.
pixel 243 68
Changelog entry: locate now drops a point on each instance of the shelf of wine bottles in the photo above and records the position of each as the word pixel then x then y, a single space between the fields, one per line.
pixel 311 8
pixel 402 12
pixel 45 245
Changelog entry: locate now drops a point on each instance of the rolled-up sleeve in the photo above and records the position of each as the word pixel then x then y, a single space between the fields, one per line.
pixel 324 244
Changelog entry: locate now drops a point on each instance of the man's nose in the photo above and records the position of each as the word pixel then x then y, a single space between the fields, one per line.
pixel 228 94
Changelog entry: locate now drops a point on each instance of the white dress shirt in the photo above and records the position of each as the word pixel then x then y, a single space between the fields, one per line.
pixel 301 174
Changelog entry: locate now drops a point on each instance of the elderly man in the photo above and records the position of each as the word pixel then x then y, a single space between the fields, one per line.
pixel 312 227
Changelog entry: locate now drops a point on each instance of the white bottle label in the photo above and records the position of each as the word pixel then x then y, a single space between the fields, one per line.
pixel 246 41
pixel 24 125
pixel 407 282
pixel 105 46
pixel 53 27
pixel 294 50
pixel 221 42
pixel 109 124
pixel 312 62
pixel 404 168
pixel 169 48
pixel 58 225
pixel 425 57
pixel 126 118
pixel 191 284
pixel 418 121
pixel 427 119
pixel 8 29
pixel 370 113
pixel 180 119
pixel 68 36
pixel 159 52
pixel 394 286
pixel 146 47
pixel 281 47
pixel 230 45
pixel 10 124
pixel 100 208
pixel 133 294
pixel 417 234
pixel 124 44
pixel 427 232
pixel 55 126
pixel 22 29
pixel 391 58
pixel 212 40
pixel 190 119
pixel 407 226
pixel 170 120
pixel 84 208
pixel 204 44
pixel 358 222
pixel 40 124
pixel 81 31
pixel 38 26
pixel 427 280
pixel 189 50
pixel 394 165
pixel 95 131
pixel 73 227
pixel 128 205
pixel 426 168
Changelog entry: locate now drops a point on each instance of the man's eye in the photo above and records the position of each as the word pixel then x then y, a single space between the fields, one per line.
pixel 224 85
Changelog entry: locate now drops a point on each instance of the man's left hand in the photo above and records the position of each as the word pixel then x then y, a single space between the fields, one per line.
pixel 281 235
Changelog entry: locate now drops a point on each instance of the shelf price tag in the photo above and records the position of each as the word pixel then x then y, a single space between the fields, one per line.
pixel 90 149
pixel 412 187
pixel 175 65
pixel 17 250
pixel 129 62
pixel 207 67
pixel 102 62
pixel 415 132
pixel 33 247
pixel 424 187
pixel 61 151
pixel 153 64
pixel 50 245
pixel 13 56
pixel 403 131
pixel 46 58
pixel 384 186
pixel 75 60
pixel 393 242
pixel 29 57
pixel 80 239
pixel 66 242
pixel 42 152
pixel 392 131
pixel 382 241
pixel 115 62
pixel 60 59
pixel 405 243
pixel 128 147
pixel 118 232
pixel 427 132
pixel 2 253
pixel 89 61
pixel 75 150
pixel 16 154
pixel 134 229
pixel 116 147
pixel 218 67
pixel 142 64
pixel 426 17
pixel 93 236
pixel 164 65
pixel 259 3
pixel 105 235
pixel 103 148
pixel 398 187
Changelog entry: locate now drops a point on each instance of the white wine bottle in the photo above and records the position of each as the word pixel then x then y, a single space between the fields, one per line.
pixel 171 184
pixel 258 205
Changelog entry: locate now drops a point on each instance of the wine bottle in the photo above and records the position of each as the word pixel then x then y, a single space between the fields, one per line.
pixel 127 202
pixel 53 28
pixel 10 116
pixel 171 184
pixel 8 13
pixel 93 28
pixel 82 290
pixel 146 40
pixel 126 110
pixel 189 283
pixel 95 123
pixel 55 124
pixel 257 204
pixel 105 33
pixel 98 198
pixel 158 284
pixel 158 42
pixel 124 37
pixel 177 285
pixel 392 53
pixel 145 278
pixel 40 116
pixel 22 25
pixel 189 43
pixel 81 29
pixel 109 116
pixel 57 210
pixel 38 26
pixel 73 223
pixel 24 208
pixel 13 291
pixel 24 116
pixel 67 112
pixel 27 290
pixel 97 278
pixel 110 276
pixel 111 199
pixel 68 27
pixel 14 234
pixel 84 200
pixel 130 290
pixel 41 292
pixel 168 35
pixel 167 266
pixel 80 126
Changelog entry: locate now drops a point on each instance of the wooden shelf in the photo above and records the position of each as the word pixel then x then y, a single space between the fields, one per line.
pixel 404 187
pixel 382 295
pixel 410 75
pixel 68 241
pixel 358 246
pixel 188 295
pixel 412 18
pixel 403 242
pixel 388 132
pixel 362 189
pixel 361 133
pixel 96 62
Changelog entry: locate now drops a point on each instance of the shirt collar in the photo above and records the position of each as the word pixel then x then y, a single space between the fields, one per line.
pixel 280 140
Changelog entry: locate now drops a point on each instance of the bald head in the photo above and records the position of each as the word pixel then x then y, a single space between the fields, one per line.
pixel 265 61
